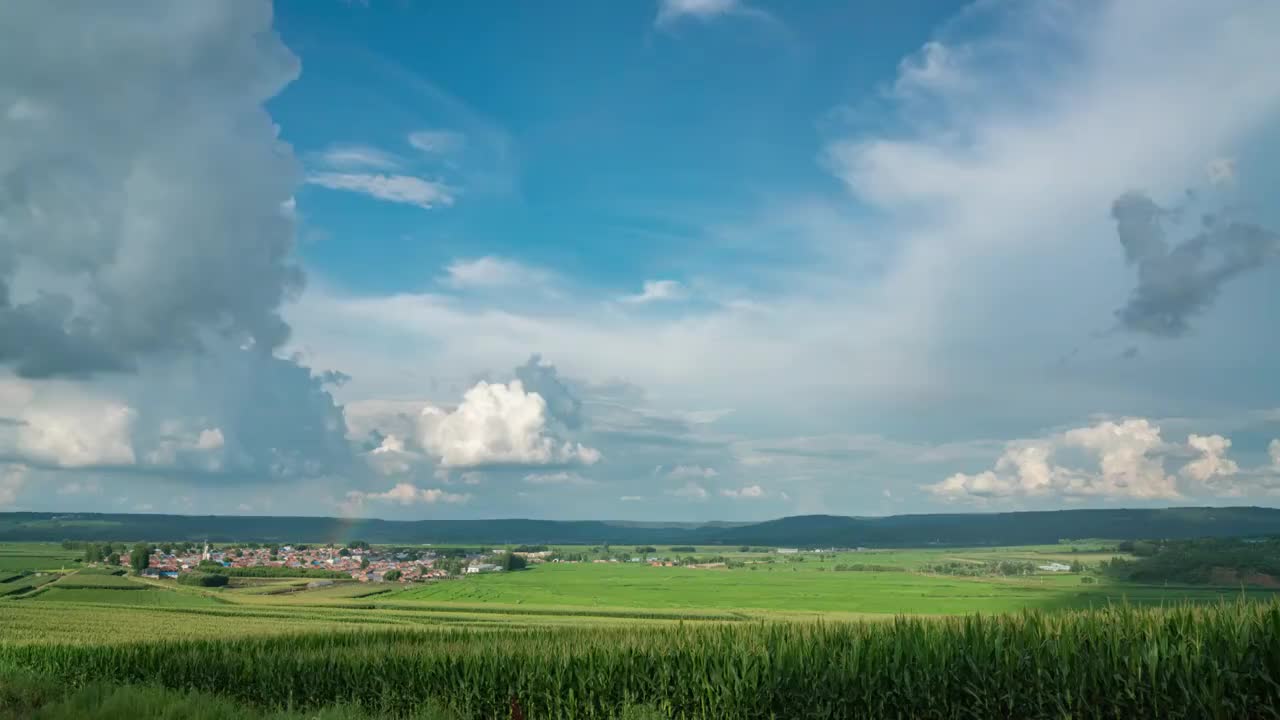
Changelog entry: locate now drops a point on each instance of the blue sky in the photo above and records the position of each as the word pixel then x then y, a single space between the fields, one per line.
pixel 661 259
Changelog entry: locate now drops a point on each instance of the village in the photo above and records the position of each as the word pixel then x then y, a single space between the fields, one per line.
pixel 359 561
pixel 364 563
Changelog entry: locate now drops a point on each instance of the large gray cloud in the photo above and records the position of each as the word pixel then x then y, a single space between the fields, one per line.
pixel 146 246
pixel 144 196
pixel 1175 283
pixel 543 379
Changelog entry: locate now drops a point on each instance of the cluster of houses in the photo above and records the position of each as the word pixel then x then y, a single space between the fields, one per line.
pixel 363 564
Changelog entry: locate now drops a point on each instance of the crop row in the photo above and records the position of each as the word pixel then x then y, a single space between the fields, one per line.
pixel 25 583
pixel 1213 662
pixel 99 581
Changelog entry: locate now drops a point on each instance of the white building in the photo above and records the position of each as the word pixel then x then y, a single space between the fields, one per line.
pixel 1055 567
pixel 482 568
pixel 788 551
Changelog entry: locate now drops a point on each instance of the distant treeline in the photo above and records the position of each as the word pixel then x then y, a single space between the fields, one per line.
pixel 809 531
pixel 1218 561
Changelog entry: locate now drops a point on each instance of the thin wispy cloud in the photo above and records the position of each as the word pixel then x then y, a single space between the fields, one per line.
pixel 437 141
pixel 405 189
pixel 657 291
pixel 671 11
pixel 354 157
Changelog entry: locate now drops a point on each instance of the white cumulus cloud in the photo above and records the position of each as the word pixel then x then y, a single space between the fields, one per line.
pixel 498 424
pixel 1212 462
pixel 391 457
pixel 201 450
pixel 78 435
pixel 750 492
pixel 409 494
pixel 1126 453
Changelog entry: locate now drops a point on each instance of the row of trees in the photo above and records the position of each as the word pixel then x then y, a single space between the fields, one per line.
pixel 1007 568
pixel 1206 560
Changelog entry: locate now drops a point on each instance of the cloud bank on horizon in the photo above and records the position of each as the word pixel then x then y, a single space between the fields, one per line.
pixel 1004 256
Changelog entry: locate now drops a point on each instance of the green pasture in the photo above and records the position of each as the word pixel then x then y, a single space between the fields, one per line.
pixel 147 597
pixel 84 580
pixel 788 587
pixel 766 585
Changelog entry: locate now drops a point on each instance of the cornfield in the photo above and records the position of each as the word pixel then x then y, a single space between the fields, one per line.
pixel 1121 662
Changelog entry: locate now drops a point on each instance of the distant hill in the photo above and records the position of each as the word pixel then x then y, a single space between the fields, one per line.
pixel 1014 528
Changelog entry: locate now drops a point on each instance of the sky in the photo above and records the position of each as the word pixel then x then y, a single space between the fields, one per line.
pixel 678 260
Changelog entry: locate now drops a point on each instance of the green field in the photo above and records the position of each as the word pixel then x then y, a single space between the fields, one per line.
pixel 83 579
pixel 114 596
pixel 1219 662
pixel 794 587
pixel 594 640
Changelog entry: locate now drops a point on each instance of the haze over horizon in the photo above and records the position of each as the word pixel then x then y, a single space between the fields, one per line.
pixel 417 260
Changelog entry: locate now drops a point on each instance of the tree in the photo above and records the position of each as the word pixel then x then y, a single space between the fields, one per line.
pixel 745 548
pixel 93 553
pixel 166 549
pixel 113 559
pixel 344 552
pixel 1143 548
pixel 364 563
pixel 140 557
pixel 391 575
pixel 511 561
pixel 646 549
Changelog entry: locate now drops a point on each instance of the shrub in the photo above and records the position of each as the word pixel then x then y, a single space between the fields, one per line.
pixel 199 579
